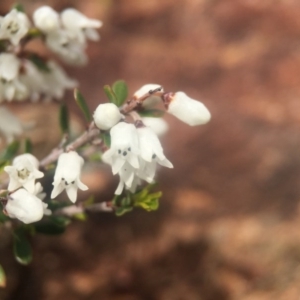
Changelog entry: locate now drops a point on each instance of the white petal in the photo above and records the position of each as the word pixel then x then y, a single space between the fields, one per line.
pixel 72 193
pixel 57 189
pixel 81 185
pixel 72 19
pixel 117 164
pixel 120 188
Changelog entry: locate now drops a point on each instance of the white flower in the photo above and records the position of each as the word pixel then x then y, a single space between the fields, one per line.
pixel 151 153
pixel 14 26
pixel 10 86
pixel 152 100
pixel 67 175
pixel 127 176
pixel 57 81
pixel 46 19
pixel 34 80
pixel 158 125
pixel 186 109
pixel 23 172
pixel 106 116
pixel 124 147
pixel 75 21
pixel 67 45
pixel 10 125
pixel 25 206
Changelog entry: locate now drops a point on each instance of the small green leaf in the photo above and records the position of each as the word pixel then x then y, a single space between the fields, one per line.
pixel 80 216
pixel 89 201
pixel 39 62
pixel 82 105
pixel 55 205
pixel 49 228
pixel 3 164
pixel 19 7
pixel 11 151
pixel 110 94
pixel 28 146
pixel 60 220
pixel 3 217
pixel 154 113
pixel 22 248
pixel 34 32
pixel 2 277
pixel 122 210
pixel 64 118
pixel 120 89
pixel 106 138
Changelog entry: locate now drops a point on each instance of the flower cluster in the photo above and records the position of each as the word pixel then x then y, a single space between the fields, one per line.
pixel 25 75
pixel 25 200
pixel 135 149
pixel 67 33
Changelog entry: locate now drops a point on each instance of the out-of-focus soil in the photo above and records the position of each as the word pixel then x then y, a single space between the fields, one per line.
pixel 229 223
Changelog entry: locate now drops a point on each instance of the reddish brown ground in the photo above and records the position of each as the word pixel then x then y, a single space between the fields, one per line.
pixel 229 223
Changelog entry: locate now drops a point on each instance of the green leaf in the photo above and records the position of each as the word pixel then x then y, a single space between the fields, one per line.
pixel 3 217
pixel 106 138
pixel 60 220
pixel 154 113
pixel 80 216
pixel 34 32
pixel 120 211
pixel 28 146
pixel 120 89
pixel 39 62
pixel 49 228
pixel 22 248
pixel 2 277
pixel 19 7
pixel 82 105
pixel 3 164
pixel 11 151
pixel 89 201
pixel 110 94
pixel 64 118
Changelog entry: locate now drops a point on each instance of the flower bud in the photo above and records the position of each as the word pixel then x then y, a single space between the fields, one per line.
pixel 46 19
pixel 25 206
pixel 151 100
pixel 186 109
pixel 106 116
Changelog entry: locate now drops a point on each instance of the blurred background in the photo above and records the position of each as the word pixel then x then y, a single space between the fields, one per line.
pixel 229 223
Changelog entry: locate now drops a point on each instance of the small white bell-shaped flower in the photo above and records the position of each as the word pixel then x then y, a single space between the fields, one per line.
pixel 25 206
pixel 106 116
pixel 151 152
pixel 124 147
pixel 67 175
pixel 23 172
pixel 10 86
pixel 148 88
pixel 46 19
pixel 75 21
pixel 14 26
pixel 10 125
pixel 57 81
pixel 68 46
pixel 158 125
pixel 186 109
